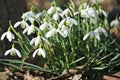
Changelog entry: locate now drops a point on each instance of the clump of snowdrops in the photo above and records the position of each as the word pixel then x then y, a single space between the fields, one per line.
pixel 65 38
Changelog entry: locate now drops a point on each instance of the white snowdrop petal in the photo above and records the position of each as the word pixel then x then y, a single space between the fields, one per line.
pixel 59 9
pixel 73 21
pixel 7 52
pixel 44 26
pixel 62 34
pixel 25 30
pixel 50 33
pixel 56 16
pixel 104 32
pixel 3 35
pixel 9 36
pixel 37 41
pixel 32 41
pixel 97 35
pixel 51 10
pixel 42 52
pixel 65 12
pixel 86 36
pixel 18 53
pixel 31 30
pixel 17 24
pixel 61 23
pixel 35 52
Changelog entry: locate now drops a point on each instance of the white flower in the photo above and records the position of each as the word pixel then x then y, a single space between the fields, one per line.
pixel 88 12
pixel 35 41
pixel 63 31
pixel 12 51
pixel 68 22
pixel 29 29
pixel 39 51
pixel 59 9
pixel 28 14
pixel 72 21
pixel 95 33
pixel 9 35
pixel 89 34
pixel 51 10
pixel 62 22
pixel 100 29
pixel 44 26
pixel 22 23
pixel 38 15
pixel 115 22
pixel 51 33
pixel 56 16
pixel 67 12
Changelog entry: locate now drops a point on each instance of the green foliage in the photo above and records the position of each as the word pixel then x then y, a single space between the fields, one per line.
pixel 66 39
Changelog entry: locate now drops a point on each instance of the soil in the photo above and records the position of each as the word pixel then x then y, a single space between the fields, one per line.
pixel 28 75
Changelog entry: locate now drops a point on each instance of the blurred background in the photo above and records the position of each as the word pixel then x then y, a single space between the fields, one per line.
pixel 13 9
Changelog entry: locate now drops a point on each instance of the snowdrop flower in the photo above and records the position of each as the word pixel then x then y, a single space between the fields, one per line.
pixel 92 33
pixel 70 21
pixel 29 29
pixel 88 12
pixel 59 9
pixel 44 26
pixel 38 15
pixel 51 33
pixel 28 14
pixel 56 16
pixel 115 22
pixel 62 22
pixel 36 41
pixel 39 51
pixel 67 12
pixel 63 31
pixel 100 29
pixel 22 23
pixel 13 51
pixel 9 35
pixel 95 33
pixel 51 10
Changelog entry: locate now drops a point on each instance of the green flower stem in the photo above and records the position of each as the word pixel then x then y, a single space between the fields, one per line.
pixel 16 33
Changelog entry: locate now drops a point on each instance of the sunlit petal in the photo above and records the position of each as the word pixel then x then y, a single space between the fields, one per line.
pixel 32 41
pixel 86 36
pixel 51 10
pixel 18 53
pixel 3 35
pixel 44 26
pixel 10 36
pixel 50 33
pixel 42 52
pixel 25 30
pixel 37 41
pixel 17 24
pixel 35 52
pixel 7 52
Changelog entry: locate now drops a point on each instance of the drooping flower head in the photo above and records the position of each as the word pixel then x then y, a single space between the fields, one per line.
pixel 9 35
pixel 13 51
